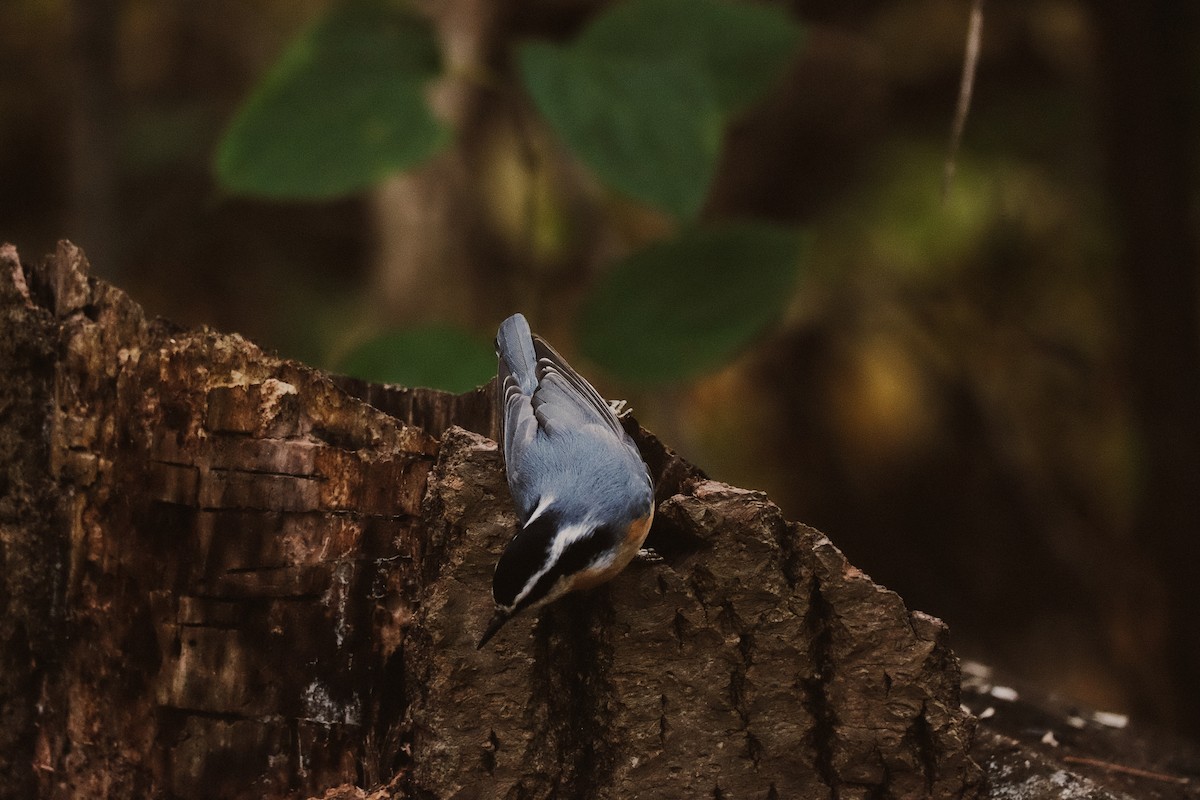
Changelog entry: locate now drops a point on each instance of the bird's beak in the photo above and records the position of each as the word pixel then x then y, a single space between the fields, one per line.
pixel 498 619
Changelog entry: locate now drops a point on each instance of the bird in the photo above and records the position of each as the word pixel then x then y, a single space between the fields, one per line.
pixel 583 494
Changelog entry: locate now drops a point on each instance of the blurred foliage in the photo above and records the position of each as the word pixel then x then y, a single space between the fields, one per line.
pixel 344 108
pixel 649 118
pixel 434 356
pixel 651 129
pixel 713 313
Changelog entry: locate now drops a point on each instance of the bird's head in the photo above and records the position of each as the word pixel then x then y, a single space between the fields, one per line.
pixel 543 562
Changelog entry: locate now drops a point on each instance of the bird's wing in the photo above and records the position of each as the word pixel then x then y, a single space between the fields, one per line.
pixel 569 397
pixel 518 360
pixel 541 394
pixel 516 382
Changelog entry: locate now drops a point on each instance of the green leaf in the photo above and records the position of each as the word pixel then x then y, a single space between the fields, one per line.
pixel 648 127
pixel 740 48
pixel 343 108
pixel 642 96
pixel 680 308
pixel 435 356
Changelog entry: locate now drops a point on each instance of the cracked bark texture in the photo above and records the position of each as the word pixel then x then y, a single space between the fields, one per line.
pixel 754 662
pixel 226 575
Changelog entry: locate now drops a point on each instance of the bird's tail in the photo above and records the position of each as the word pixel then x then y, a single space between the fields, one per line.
pixel 514 346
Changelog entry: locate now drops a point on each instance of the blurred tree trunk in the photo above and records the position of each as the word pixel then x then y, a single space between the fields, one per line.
pixel 225 576
pixel 1152 94
pixel 505 217
pixel 427 223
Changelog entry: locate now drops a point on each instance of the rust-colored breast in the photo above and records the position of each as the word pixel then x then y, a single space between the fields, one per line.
pixel 634 537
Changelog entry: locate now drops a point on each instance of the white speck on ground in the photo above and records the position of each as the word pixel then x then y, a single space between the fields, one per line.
pixel 1006 693
pixel 1110 719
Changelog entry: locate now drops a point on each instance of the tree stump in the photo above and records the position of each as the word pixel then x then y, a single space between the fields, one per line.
pixel 229 575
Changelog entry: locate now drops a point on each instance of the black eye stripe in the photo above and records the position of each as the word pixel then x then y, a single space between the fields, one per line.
pixel 575 558
pixel 524 557
pixel 581 552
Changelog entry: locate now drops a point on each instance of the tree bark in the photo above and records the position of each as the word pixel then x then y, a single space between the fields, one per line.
pixel 225 575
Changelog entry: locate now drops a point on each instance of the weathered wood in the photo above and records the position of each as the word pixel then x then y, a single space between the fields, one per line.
pixel 228 577
pixel 756 663
pixel 241 542
pixel 32 538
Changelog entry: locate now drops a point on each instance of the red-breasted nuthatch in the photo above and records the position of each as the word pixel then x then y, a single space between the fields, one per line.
pixel 582 491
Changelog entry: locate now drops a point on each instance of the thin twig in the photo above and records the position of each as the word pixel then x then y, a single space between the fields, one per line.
pixel 1140 773
pixel 965 87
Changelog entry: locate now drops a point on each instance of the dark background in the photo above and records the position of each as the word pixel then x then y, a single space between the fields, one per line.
pixel 989 401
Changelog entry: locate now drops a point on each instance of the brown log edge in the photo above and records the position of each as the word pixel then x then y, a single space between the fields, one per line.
pixel 230 575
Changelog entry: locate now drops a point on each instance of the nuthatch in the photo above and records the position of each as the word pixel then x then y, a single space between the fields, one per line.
pixel 582 491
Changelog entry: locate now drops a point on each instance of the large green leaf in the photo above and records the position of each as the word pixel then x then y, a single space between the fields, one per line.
pixel 436 356
pixel 740 48
pixel 643 94
pixel 343 108
pixel 648 127
pixel 686 306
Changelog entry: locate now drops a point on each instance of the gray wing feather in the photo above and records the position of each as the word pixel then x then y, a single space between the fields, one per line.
pixel 572 388
pixel 520 436
pixel 540 394
pixel 514 346
pixel 563 388
pixel 516 382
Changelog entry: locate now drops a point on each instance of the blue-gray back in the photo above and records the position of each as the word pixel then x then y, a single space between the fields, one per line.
pixel 560 438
